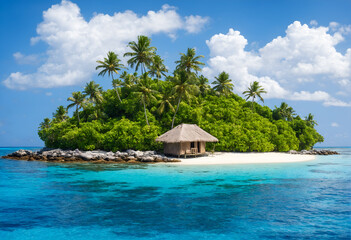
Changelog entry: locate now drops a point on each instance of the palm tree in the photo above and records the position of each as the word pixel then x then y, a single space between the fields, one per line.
pixel 223 85
pixel 157 68
pixel 110 65
pixel 142 53
pixel 45 124
pixel 93 91
pixel 203 85
pixel 129 80
pixel 60 114
pixel 183 88
pixel 166 101
pixel 189 61
pixel 310 120
pixel 144 92
pixel 77 100
pixel 255 90
pixel 284 112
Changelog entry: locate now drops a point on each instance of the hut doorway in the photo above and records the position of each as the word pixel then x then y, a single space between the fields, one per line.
pixel 198 147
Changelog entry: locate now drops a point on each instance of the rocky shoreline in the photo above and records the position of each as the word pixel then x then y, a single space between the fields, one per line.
pixel 314 152
pixel 129 156
pixel 58 155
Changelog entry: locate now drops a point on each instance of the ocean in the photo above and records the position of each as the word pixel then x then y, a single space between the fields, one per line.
pixel 305 200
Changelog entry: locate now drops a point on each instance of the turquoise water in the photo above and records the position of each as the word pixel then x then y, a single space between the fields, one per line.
pixel 309 200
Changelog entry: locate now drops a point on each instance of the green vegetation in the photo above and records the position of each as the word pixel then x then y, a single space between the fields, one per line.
pixel 255 90
pixel 141 107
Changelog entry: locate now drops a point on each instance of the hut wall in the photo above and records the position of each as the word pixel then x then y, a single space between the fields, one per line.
pixel 172 148
pixel 202 147
pixel 185 146
pixel 182 148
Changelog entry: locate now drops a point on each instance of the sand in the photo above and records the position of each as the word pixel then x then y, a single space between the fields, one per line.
pixel 245 158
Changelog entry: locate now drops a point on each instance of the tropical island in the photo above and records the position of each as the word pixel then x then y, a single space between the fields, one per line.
pixel 142 105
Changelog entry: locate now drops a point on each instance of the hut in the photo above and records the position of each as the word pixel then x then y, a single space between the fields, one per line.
pixel 186 139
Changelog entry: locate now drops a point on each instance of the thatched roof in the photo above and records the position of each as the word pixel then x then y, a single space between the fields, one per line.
pixel 186 133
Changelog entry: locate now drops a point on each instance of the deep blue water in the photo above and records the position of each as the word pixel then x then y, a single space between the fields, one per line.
pixel 309 200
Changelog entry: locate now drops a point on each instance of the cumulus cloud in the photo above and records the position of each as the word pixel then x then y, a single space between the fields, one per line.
pixel 313 23
pixel 334 124
pixel 286 64
pixel 194 24
pixel 74 44
pixel 26 59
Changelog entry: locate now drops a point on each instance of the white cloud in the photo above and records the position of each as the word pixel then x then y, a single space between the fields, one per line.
pixel 334 124
pixel 313 23
pixel 26 59
pixel 318 96
pixel 194 24
pixel 75 44
pixel 336 103
pixel 307 96
pixel 333 26
pixel 48 94
pixel 337 27
pixel 286 64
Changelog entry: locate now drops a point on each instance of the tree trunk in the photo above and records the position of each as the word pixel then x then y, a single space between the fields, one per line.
pixel 77 114
pixel 117 91
pixel 145 111
pixel 141 67
pixel 176 111
pixel 118 95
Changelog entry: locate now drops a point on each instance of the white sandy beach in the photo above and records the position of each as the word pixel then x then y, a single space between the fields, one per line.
pixel 245 158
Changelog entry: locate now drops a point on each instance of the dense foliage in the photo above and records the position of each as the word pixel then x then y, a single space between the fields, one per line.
pixel 139 108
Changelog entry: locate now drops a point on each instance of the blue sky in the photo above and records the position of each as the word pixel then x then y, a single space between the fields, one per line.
pixel 300 51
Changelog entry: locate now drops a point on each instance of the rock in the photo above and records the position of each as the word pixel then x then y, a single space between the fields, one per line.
pixel 119 160
pixel 86 156
pixel 130 152
pixel 124 155
pixel 131 158
pixel 139 154
pixel 158 159
pixel 21 153
pixel 149 153
pixel 147 159
pixel 110 158
pixel 96 156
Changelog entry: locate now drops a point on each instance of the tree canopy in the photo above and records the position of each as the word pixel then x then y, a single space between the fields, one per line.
pixel 139 108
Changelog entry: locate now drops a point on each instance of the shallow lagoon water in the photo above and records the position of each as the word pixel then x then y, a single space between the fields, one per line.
pixel 305 200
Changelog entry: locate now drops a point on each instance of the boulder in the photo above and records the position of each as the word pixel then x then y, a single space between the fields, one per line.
pixel 119 160
pixel 86 156
pixel 147 159
pixel 158 159
pixel 131 158
pixel 130 152
pixel 149 153
pixel 139 154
